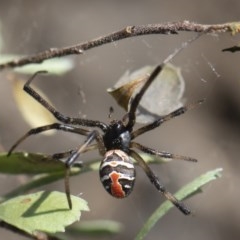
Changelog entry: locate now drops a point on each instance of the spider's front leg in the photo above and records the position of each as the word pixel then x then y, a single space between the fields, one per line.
pixel 155 181
pixel 166 118
pixel 136 100
pixel 59 116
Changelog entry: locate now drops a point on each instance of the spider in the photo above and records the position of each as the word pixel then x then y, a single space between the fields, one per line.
pixel 114 142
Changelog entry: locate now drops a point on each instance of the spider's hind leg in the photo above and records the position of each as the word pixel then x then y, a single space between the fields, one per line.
pixel 63 155
pixel 161 154
pixel 155 181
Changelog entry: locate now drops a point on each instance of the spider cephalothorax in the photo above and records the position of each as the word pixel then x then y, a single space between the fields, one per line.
pixel 117 136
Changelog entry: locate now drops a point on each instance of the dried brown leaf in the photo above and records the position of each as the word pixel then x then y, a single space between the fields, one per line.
pixel 163 96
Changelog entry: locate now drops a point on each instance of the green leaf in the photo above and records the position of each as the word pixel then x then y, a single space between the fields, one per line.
pixel 48 169
pixel 42 211
pixel 37 163
pixel 95 228
pixel 56 66
pixel 185 192
pixel 29 163
pixel 38 181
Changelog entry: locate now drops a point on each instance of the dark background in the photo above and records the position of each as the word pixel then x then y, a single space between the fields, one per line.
pixel 210 133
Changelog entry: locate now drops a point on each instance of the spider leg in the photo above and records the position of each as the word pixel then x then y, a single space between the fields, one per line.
pixel 155 181
pixel 165 118
pixel 63 155
pixel 73 157
pixel 57 114
pixel 57 126
pixel 68 153
pixel 161 153
pixel 136 100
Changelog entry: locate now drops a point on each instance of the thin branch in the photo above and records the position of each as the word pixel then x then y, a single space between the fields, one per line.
pixel 129 31
pixel 37 234
pixel 232 49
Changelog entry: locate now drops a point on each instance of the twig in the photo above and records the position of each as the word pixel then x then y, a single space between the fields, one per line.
pixel 232 49
pixel 129 31
pixel 38 235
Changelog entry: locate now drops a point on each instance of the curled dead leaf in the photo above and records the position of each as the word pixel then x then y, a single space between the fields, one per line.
pixel 163 96
pixel 124 93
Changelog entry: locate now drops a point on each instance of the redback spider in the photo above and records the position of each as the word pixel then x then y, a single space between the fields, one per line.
pixel 114 142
